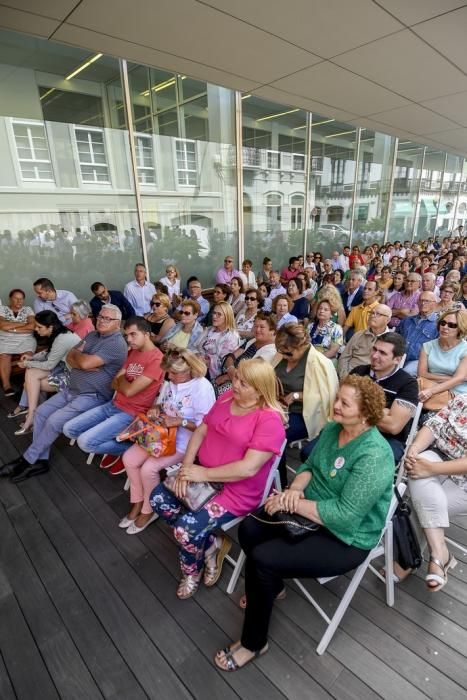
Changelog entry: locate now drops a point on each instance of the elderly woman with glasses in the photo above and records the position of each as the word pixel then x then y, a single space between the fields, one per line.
pixel 81 323
pixel 187 332
pixel 447 293
pixel 159 318
pixel 442 366
pixel 183 401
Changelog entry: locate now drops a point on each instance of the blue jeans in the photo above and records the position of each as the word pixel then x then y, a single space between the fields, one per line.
pixel 192 531
pixel 51 416
pixel 96 429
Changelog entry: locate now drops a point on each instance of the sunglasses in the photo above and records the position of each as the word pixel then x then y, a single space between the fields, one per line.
pixel 285 353
pixel 250 298
pixel 186 313
pixel 448 324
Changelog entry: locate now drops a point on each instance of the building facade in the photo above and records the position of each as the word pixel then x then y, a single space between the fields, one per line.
pixel 106 163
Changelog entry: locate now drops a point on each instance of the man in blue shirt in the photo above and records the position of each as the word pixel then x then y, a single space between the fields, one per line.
pixel 418 330
pixel 103 295
pixel 50 299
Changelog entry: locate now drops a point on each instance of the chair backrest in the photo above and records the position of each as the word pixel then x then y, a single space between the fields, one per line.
pixel 409 441
pixel 272 473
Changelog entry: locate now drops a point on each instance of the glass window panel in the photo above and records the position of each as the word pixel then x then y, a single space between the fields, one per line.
pixel 274 166
pixel 333 154
pixel 163 89
pixel 430 193
pixel 373 184
pixel 188 88
pixel 74 226
pixel 446 220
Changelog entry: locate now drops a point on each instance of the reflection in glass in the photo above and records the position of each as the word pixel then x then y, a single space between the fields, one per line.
pixel 333 152
pixel 407 173
pixel 274 161
pixel 430 193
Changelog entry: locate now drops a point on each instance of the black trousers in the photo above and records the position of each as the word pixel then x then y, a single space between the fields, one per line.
pixel 271 558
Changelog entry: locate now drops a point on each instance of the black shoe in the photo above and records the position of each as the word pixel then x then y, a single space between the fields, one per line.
pixel 40 467
pixel 14 467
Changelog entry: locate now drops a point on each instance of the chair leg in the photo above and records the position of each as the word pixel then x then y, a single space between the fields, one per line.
pixel 127 485
pixel 72 441
pixel 90 457
pixel 236 572
pixel 389 564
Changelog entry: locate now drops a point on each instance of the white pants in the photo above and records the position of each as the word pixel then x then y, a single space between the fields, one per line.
pixel 436 498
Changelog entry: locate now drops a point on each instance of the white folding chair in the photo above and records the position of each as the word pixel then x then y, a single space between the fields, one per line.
pixel 90 456
pixel 384 546
pixel 273 478
pixel 409 441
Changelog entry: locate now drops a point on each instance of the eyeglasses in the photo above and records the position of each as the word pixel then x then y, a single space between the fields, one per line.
pixel 377 313
pixel 186 313
pixel 156 303
pixel 448 324
pixel 106 319
pixel 250 298
pixel 427 301
pixel 227 260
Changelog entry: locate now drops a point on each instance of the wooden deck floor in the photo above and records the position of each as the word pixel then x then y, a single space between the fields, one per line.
pixel 88 612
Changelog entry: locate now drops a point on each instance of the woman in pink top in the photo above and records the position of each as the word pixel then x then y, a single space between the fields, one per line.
pixel 236 444
pixel 81 323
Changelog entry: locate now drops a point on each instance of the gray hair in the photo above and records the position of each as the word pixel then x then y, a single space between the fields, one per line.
pixel 81 307
pixel 357 273
pixel 115 309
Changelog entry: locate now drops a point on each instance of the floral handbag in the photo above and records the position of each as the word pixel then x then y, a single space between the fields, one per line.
pixel 156 439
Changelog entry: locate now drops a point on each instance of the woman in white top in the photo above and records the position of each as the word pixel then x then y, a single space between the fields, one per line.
pixel 59 341
pixel 183 402
pixel 246 318
pixel 171 281
pixel 218 340
pixel 247 275
pixel 16 334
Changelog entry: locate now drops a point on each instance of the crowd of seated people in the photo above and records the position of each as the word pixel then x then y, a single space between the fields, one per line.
pixel 258 366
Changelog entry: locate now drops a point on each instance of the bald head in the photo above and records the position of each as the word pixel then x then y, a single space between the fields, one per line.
pixel 379 318
pixel 426 303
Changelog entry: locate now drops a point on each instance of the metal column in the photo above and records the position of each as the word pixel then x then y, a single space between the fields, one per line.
pixel 306 222
pixel 239 163
pixel 355 185
pixel 131 136
pixel 391 190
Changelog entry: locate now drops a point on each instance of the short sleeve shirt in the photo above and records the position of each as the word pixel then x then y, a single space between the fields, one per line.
pixel 228 439
pixel 112 349
pixel 137 364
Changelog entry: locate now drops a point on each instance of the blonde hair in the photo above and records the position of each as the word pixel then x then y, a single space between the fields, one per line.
pixel 461 317
pixel 226 309
pixel 163 298
pixel 184 361
pixel 331 294
pixel 261 377
pixel 173 267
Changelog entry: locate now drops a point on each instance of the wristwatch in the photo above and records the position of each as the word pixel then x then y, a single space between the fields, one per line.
pixel 296 396
pixel 184 423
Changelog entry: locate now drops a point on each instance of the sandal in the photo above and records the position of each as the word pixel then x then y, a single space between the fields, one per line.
pixel 440 581
pixel 228 656
pixel 214 560
pixel 280 596
pixel 397 577
pixel 188 586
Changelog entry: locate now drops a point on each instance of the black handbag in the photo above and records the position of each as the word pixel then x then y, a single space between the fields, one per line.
pixel 407 551
pixel 296 526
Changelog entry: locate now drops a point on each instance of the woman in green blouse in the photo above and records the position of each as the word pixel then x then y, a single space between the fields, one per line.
pixel 345 486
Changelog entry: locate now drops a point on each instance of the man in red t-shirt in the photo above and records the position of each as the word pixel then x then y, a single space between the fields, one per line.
pixel 136 386
pixel 290 272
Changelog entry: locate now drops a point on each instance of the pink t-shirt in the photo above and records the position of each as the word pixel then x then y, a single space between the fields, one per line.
pixel 227 440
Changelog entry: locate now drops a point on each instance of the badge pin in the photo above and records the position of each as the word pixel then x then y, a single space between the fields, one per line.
pixel 339 463
pixel 332 473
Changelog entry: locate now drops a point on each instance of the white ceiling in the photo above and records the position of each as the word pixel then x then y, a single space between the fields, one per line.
pixel 397 66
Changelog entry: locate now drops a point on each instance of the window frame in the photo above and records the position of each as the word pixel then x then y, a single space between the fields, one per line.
pixel 19 160
pixel 107 165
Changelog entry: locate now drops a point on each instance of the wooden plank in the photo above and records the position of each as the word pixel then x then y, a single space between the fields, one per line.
pixel 130 639
pixel 430 636
pixel 6 689
pixel 97 650
pixel 60 655
pixel 160 627
pixel 25 667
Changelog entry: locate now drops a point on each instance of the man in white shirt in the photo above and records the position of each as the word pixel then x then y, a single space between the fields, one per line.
pixel 276 289
pixel 344 259
pixel 139 291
